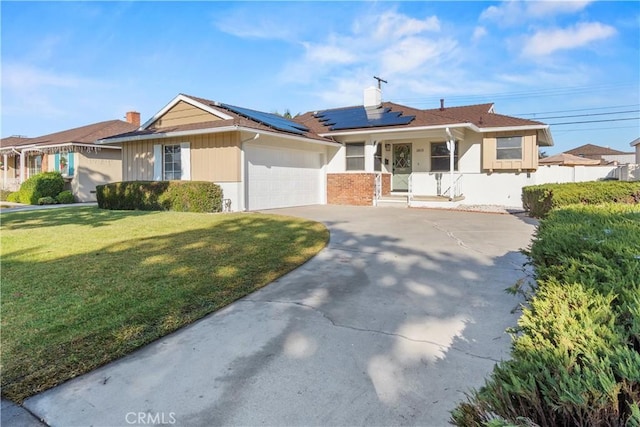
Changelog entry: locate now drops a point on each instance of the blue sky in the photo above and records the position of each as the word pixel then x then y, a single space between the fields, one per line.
pixel 67 64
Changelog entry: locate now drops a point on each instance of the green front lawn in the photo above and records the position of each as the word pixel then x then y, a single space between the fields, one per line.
pixel 84 286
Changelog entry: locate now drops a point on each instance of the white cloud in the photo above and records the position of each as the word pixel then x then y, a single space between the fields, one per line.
pixel 552 7
pixel 17 77
pixel 545 42
pixel 327 54
pixel 413 53
pixel 391 25
pixel 478 33
pixel 515 12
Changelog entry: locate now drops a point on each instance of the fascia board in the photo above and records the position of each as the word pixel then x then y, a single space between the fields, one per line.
pixel 214 130
pixel 374 131
pixel 167 135
pixel 292 137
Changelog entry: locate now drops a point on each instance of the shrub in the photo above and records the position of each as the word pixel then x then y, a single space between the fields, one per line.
pixel 186 196
pixel 540 199
pixel 46 184
pixel 14 197
pixel 4 194
pixel 576 350
pixel 65 197
pixel 192 197
pixel 46 201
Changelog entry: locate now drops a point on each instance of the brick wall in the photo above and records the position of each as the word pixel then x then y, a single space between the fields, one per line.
pixel 354 188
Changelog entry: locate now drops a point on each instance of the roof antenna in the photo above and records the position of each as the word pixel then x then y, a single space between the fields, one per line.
pixel 380 81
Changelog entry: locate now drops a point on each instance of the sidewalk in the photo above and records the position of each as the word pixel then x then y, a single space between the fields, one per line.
pixel 13 415
pixel 19 207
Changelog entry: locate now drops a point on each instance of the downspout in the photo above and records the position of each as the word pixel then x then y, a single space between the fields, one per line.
pixel 451 145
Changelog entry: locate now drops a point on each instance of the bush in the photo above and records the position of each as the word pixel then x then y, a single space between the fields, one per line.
pixel 576 350
pixel 540 199
pixel 4 194
pixel 47 201
pixel 185 196
pixel 65 197
pixel 14 197
pixel 46 184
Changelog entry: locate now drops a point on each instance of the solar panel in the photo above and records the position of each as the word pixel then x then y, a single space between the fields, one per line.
pixel 268 119
pixel 360 117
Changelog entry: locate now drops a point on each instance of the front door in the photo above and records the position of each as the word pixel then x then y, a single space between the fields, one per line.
pixel 401 167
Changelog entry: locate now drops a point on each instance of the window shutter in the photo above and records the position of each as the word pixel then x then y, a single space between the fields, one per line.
pixel 70 167
pixel 157 162
pixel 56 162
pixel 185 161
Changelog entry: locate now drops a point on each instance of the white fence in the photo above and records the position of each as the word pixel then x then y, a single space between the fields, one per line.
pixel 506 188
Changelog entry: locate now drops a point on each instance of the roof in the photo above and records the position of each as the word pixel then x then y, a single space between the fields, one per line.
pixel 479 115
pixel 88 134
pixel 565 159
pixel 14 141
pixel 323 125
pixel 593 151
pixel 239 118
pixel 635 142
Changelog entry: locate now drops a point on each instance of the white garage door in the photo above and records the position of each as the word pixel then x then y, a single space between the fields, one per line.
pixel 282 178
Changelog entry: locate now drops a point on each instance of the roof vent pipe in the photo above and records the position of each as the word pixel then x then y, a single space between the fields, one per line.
pixel 441 104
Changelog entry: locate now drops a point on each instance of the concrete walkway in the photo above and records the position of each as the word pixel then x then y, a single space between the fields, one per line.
pixel 19 207
pixel 391 324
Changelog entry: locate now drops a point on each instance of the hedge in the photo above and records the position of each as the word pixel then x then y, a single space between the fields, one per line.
pixel 46 184
pixel 183 196
pixel 575 359
pixel 540 199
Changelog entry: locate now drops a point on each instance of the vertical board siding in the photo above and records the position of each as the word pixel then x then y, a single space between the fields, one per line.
pixel 214 157
pixel 183 114
pixel 529 159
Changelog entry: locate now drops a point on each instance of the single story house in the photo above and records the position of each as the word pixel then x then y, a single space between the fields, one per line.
pixel 605 155
pixel 636 144
pixel 356 155
pixel 73 152
pixel 565 159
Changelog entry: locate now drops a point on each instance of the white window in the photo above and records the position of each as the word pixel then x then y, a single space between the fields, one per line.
pixel 172 165
pixel 509 148
pixel 172 162
pixel 355 156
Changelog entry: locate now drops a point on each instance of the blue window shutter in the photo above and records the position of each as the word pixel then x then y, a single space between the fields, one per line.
pixel 56 162
pixel 70 157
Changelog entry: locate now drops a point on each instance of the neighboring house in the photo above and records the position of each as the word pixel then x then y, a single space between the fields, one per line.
pixel 564 159
pixel 354 155
pixel 72 152
pixel 605 155
pixel 636 144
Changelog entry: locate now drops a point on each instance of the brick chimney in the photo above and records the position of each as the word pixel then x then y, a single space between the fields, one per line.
pixel 133 117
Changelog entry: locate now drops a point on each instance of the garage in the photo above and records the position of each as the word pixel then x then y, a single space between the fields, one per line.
pixel 278 178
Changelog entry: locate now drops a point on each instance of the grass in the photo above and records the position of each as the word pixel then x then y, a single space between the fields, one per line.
pixel 84 286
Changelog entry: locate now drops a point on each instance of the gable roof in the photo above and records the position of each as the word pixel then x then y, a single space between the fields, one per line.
pixel 323 125
pixel 85 135
pixel 565 159
pixel 229 118
pixel 594 151
pixel 635 142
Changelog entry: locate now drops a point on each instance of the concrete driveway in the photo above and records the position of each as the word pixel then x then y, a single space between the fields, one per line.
pixel 391 324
